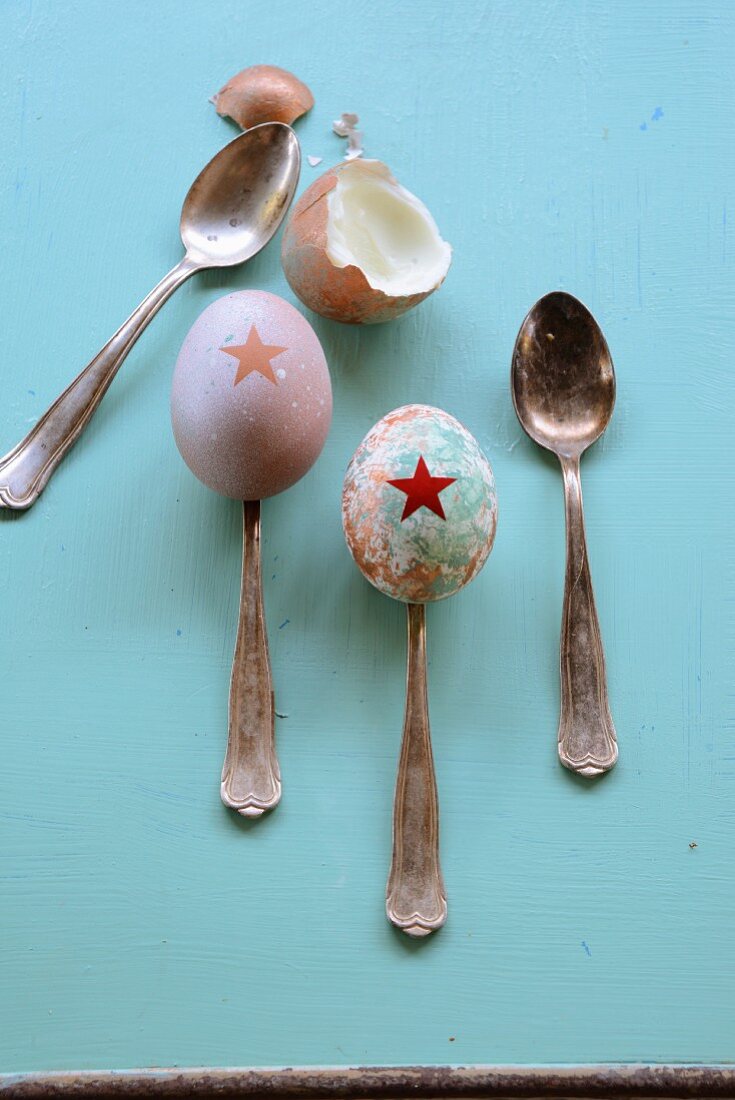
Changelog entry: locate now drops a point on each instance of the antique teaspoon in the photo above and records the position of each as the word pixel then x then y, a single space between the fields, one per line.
pixel 419 513
pixel 251 404
pixel 563 386
pixel 232 210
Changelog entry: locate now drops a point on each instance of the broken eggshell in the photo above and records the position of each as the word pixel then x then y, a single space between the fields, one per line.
pixel 263 93
pixel 360 248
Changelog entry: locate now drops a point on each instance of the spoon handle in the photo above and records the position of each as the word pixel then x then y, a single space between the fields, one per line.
pixel 26 469
pixel 415 897
pixel 251 779
pixel 587 741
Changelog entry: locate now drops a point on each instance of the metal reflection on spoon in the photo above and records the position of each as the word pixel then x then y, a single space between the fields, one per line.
pixel 563 387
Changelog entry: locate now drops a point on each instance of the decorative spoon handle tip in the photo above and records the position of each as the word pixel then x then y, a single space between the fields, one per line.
pixel 417 926
pixel 251 806
pixel 589 768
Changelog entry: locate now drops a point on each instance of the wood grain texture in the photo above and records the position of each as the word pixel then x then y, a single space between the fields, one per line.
pixel 582 145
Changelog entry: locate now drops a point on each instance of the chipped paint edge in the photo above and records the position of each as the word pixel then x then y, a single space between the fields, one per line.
pixel 425 1082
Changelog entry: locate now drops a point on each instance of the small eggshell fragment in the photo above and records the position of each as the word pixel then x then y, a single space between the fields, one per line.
pixel 426 538
pixel 263 93
pixel 402 257
pixel 251 401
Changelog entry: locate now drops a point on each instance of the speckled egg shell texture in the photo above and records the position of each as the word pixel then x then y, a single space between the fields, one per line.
pixel 251 401
pixel 422 557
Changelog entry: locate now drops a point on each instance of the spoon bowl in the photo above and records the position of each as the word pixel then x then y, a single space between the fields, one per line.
pixel 563 380
pixel 563 387
pixel 238 200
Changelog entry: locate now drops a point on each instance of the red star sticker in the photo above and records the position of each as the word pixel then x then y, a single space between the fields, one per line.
pixel 254 355
pixel 422 490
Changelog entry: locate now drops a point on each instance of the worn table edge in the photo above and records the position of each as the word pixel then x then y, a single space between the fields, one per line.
pixel 386 1082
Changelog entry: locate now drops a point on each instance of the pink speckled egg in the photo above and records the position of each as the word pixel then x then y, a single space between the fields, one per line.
pixel 251 401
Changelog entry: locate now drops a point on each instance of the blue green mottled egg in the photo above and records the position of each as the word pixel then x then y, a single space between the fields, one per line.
pixel 418 506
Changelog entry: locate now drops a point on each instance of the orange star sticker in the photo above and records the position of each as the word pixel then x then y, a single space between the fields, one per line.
pixel 254 355
pixel 422 490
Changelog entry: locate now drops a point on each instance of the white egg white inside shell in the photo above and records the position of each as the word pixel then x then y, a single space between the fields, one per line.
pixel 375 224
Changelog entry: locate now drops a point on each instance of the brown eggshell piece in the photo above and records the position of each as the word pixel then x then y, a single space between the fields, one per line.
pixel 340 293
pixel 263 93
pixel 245 434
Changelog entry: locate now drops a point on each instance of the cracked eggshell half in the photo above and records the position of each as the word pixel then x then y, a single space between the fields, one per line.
pixel 360 248
pixel 251 400
pixel 421 557
pixel 263 93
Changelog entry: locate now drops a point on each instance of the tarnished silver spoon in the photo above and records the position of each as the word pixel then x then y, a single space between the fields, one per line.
pixel 232 210
pixel 563 386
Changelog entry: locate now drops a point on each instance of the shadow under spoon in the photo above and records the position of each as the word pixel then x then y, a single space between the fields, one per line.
pixel 563 386
pixel 232 210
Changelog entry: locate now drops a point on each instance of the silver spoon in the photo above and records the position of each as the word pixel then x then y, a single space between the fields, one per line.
pixel 563 386
pixel 232 210
pixel 415 897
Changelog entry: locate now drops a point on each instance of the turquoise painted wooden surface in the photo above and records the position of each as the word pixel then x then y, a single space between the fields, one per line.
pixel 583 145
